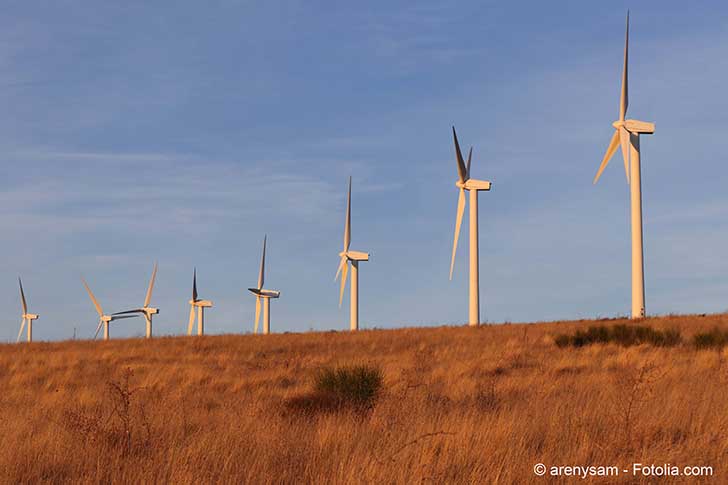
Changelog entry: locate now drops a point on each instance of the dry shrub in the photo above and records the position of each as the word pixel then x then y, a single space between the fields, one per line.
pixel 713 339
pixel 624 335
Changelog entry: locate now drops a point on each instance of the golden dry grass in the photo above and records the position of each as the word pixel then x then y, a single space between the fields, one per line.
pixel 460 405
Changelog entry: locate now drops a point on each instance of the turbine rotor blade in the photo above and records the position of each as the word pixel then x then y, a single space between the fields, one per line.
pixel 194 285
pixel 257 312
pixel 624 142
pixel 344 273
pixel 624 97
pixel 347 224
pixel 613 143
pixel 93 298
pixel 148 298
pixel 192 320
pixel 467 167
pixel 101 322
pixel 462 171
pixel 341 266
pixel 22 297
pixel 22 326
pixel 261 275
pixel 458 223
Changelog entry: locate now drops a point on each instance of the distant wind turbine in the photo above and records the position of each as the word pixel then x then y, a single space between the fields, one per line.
pixel 104 320
pixel 27 318
pixel 146 311
pixel 200 305
pixel 627 135
pixel 473 186
pixel 354 257
pixel 265 295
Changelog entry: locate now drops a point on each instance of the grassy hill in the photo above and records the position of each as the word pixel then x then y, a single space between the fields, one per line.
pixel 458 405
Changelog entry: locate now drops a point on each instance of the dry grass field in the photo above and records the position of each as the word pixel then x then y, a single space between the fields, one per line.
pixel 459 405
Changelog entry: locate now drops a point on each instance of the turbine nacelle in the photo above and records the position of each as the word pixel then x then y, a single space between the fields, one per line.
pixel 635 126
pixel 263 293
pixel 354 255
pixel 30 316
pixel 201 303
pixel 473 184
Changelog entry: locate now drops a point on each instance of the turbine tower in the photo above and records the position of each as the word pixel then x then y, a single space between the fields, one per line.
pixel 473 186
pixel 265 295
pixel 627 136
pixel 27 318
pixel 146 311
pixel 354 257
pixel 104 320
pixel 200 305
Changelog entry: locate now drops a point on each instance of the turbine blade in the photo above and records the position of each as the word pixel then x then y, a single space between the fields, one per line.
pixel 462 171
pixel 624 141
pixel 467 167
pixel 194 285
pixel 344 272
pixel 22 297
pixel 22 326
pixel 458 223
pixel 624 98
pixel 98 327
pixel 151 287
pixel 93 298
pixel 342 262
pixel 257 312
pixel 347 225
pixel 261 275
pixel 192 320
pixel 613 143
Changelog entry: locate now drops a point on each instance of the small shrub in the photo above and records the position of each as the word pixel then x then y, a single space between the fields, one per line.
pixel 714 339
pixel 359 385
pixel 625 335
pixel 335 389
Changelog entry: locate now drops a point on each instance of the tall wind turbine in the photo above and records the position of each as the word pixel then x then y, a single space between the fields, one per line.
pixel 200 305
pixel 27 317
pixel 354 257
pixel 265 295
pixel 473 186
pixel 146 311
pixel 104 320
pixel 627 135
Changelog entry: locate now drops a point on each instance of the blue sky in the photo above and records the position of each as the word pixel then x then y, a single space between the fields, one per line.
pixel 182 132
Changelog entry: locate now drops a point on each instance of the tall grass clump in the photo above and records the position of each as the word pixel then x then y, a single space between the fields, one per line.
pixel 624 335
pixel 351 387
pixel 714 339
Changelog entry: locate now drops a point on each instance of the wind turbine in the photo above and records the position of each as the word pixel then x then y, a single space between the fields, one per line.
pixel 27 317
pixel 200 305
pixel 627 135
pixel 473 186
pixel 146 311
pixel 265 295
pixel 354 257
pixel 104 320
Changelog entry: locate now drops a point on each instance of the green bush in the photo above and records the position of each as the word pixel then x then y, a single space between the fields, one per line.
pixel 625 335
pixel 714 339
pixel 359 385
pixel 355 387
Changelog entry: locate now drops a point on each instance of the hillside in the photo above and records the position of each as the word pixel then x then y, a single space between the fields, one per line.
pixel 459 405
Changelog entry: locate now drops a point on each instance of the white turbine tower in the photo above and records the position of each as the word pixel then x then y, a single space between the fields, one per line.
pixel 265 295
pixel 200 305
pixel 27 318
pixel 146 311
pixel 473 186
pixel 104 320
pixel 627 135
pixel 354 257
